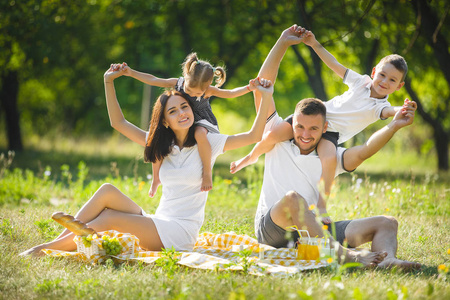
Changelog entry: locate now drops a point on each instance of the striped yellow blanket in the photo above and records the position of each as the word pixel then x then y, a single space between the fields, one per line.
pixel 226 251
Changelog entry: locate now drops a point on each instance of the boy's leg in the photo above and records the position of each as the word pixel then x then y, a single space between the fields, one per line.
pixel 327 154
pixel 204 150
pixel 155 179
pixel 281 132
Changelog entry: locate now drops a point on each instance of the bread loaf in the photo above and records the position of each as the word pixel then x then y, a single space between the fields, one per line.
pixel 74 225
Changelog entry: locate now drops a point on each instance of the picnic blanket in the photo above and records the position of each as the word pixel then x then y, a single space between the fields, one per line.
pixel 212 251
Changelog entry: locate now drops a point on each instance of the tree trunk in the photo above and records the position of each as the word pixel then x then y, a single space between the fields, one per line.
pixel 314 78
pixel 441 138
pixel 428 29
pixel 8 95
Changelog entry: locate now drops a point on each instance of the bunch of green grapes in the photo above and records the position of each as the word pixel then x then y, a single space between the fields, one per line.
pixel 88 239
pixel 111 245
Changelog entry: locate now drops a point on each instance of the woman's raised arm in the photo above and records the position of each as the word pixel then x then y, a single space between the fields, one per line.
pixel 265 87
pixel 116 117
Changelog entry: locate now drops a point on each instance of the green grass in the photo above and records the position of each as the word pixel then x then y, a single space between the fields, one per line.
pixel 419 199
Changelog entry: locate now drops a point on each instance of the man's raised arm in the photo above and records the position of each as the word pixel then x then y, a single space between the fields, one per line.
pixel 269 70
pixel 354 156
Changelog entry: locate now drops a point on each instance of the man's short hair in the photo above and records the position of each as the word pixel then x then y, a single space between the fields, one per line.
pixel 397 61
pixel 311 107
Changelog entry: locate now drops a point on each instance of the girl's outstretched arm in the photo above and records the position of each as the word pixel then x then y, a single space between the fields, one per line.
pixel 233 93
pixel 147 78
pixel 116 117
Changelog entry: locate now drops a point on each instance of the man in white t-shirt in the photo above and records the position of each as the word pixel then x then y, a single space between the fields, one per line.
pixel 293 170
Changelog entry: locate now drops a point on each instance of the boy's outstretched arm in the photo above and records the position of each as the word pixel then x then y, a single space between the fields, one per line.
pixel 148 78
pixel 324 55
pixel 354 156
pixel 390 111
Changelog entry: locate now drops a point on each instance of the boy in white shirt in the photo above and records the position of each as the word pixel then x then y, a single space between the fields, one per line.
pixel 348 114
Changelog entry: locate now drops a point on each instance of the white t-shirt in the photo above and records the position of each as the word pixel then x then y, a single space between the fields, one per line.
pixel 181 209
pixel 354 110
pixel 286 169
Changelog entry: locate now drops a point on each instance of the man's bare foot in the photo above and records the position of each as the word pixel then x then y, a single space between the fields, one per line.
pixel 392 262
pixel 154 187
pixel 366 258
pixel 206 182
pixel 236 166
pixel 33 252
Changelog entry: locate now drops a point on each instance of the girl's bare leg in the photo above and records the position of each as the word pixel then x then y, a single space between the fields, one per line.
pixel 205 152
pixel 155 179
pixel 327 154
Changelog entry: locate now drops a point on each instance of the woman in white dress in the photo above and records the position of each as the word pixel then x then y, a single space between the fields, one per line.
pixel 180 214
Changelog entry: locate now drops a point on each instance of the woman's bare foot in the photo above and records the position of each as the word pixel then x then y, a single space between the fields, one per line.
pixel 155 183
pixel 242 163
pixel 206 181
pixel 392 262
pixel 366 258
pixel 33 252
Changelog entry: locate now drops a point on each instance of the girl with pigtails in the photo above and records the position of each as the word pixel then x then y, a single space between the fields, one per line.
pixel 196 84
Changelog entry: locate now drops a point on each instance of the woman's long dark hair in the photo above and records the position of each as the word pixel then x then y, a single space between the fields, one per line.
pixel 160 139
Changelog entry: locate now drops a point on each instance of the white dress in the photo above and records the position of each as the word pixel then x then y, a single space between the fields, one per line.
pixel 181 210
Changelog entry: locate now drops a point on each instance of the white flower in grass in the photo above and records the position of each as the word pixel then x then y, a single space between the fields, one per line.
pixel 47 173
pixel 358 183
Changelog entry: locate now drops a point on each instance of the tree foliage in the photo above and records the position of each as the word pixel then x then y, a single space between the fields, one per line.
pixel 54 53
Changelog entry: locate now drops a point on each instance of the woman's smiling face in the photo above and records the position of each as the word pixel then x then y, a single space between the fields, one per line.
pixel 178 114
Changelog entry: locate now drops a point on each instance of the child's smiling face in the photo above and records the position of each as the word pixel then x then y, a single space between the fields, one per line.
pixel 386 80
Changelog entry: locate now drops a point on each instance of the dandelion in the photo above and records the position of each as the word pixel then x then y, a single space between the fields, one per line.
pixel 227 181
pixel 448 251
pixel 312 206
pixel 141 185
pixel 330 260
pixel 387 209
pixel 442 268
pixel 325 227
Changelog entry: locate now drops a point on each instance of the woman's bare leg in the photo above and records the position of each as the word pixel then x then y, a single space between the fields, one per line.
pixel 107 196
pixel 142 227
